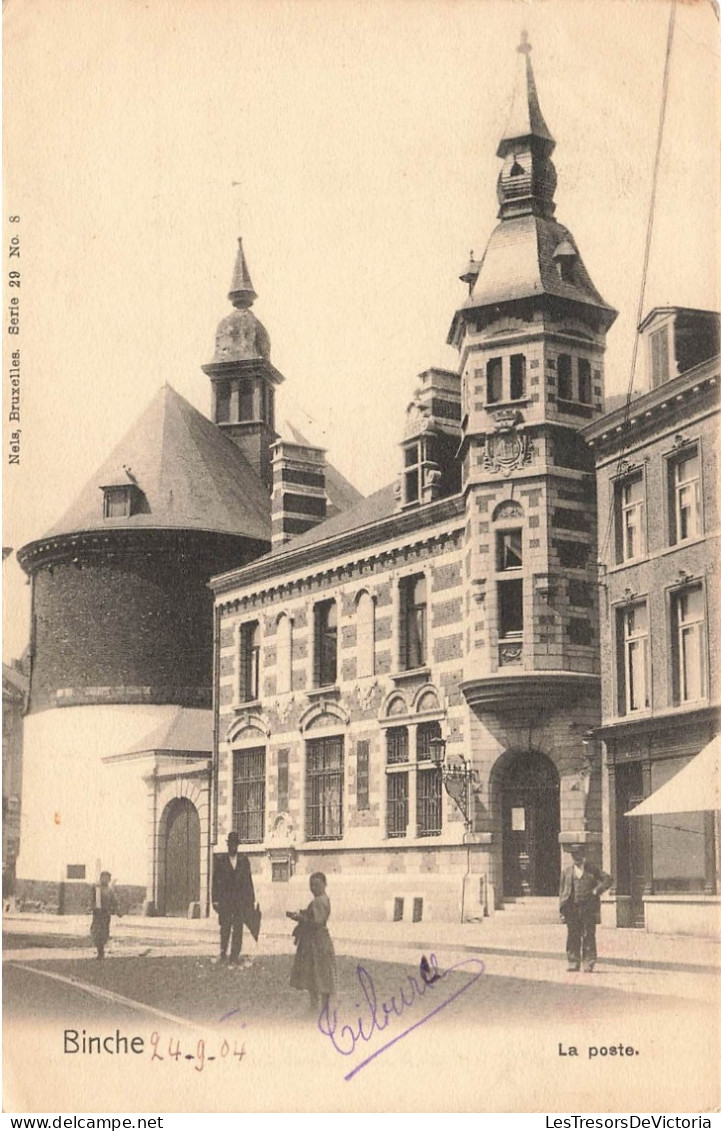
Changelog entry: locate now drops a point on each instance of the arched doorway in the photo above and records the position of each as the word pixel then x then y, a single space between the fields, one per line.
pixel 531 822
pixel 182 856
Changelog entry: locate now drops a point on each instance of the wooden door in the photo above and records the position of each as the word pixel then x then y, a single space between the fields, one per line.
pixel 182 857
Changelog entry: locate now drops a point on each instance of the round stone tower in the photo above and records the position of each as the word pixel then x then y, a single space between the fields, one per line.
pixel 118 736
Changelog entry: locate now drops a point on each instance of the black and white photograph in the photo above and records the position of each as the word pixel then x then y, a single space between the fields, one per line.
pixel 361 672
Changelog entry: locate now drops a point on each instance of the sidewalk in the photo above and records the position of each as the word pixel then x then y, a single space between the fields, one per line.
pixel 502 935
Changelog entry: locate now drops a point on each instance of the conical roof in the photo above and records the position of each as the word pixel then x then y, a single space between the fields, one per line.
pixel 241 292
pixel 189 474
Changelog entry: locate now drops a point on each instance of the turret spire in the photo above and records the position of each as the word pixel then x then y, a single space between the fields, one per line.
pixel 525 119
pixel 527 180
pixel 241 292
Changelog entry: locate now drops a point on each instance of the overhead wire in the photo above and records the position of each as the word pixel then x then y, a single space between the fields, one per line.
pixel 644 272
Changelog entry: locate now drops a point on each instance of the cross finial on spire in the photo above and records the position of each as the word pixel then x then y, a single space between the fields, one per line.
pixel 524 46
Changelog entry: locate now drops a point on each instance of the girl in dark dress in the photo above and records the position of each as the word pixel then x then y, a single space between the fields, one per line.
pixel 314 965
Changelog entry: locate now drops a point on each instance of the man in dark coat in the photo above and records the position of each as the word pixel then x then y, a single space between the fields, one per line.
pixel 582 885
pixel 233 898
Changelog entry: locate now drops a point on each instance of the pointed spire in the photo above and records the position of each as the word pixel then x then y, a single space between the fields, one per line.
pixel 241 292
pixel 527 180
pixel 525 119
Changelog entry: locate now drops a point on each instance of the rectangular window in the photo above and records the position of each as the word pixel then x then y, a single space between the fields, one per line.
pixel 428 801
pixel 324 789
pixel 510 608
pixel 116 502
pixel 283 783
pixel 572 555
pixel 630 518
pixel 222 402
pixel 580 631
pixel 413 622
pixel 249 661
pixel 249 794
pixel 396 745
pixel 584 380
pixel 362 774
pixel 245 404
pixel 510 551
pixel 565 380
pixel 412 474
pixel 397 804
pixel 684 497
pixel 579 593
pixel 634 683
pixel 658 343
pixel 688 644
pixel 494 380
pixel 518 376
pixel 425 735
pixel 325 620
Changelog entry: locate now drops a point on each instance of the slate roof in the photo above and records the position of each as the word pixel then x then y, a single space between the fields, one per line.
pixel 15 683
pixel 518 263
pixel 377 506
pixel 187 729
pixel 192 477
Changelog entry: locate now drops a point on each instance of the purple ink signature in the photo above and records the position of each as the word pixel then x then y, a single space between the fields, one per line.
pixel 346 1037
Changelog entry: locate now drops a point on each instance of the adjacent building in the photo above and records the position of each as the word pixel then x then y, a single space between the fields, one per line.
pixel 657 473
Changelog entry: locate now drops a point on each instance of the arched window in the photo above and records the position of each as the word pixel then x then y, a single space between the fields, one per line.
pixel 365 613
pixel 285 654
pixel 413 625
pixel 249 685
pixel 325 623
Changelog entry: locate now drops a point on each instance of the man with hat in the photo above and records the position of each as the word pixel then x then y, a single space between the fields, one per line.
pixel 233 898
pixel 582 885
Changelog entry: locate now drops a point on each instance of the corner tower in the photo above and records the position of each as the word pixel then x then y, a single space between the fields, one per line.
pixel 243 379
pixel 531 337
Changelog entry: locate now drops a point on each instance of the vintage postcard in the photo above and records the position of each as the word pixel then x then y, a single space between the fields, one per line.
pixel 360 539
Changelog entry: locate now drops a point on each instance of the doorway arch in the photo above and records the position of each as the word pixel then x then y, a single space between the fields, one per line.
pixel 180 860
pixel 531 818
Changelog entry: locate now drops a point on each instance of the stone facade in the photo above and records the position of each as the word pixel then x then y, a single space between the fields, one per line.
pixel 657 475
pixel 441 755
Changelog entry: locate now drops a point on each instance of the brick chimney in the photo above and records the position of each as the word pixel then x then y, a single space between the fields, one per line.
pixel 299 497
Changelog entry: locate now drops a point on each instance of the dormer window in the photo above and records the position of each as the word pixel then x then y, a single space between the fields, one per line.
pixel 658 346
pixel 119 500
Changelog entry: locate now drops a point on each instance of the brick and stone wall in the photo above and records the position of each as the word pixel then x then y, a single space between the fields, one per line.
pixel 134 625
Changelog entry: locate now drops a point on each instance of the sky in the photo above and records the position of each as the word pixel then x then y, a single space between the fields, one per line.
pixel 352 143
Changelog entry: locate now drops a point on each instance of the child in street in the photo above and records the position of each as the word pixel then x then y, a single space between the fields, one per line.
pixel 314 965
pixel 105 904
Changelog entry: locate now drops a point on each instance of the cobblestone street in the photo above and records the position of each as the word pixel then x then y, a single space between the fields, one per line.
pixel 510 1008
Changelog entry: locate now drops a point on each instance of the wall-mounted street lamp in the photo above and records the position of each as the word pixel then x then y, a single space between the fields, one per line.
pixel 590 758
pixel 459 778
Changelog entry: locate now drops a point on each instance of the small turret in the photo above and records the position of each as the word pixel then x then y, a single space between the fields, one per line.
pixel 243 379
